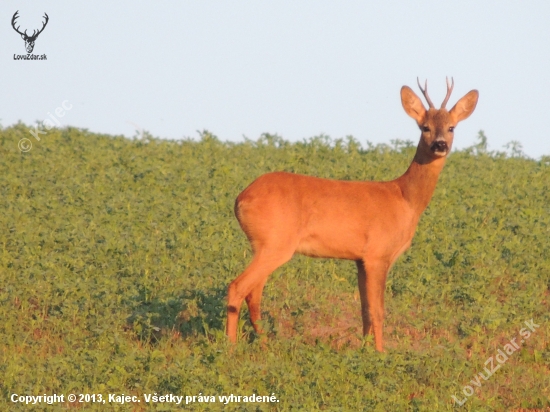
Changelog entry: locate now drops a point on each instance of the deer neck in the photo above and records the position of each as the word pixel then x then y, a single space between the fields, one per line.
pixel 419 181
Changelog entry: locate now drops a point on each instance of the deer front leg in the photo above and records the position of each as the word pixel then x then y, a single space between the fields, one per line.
pixel 371 277
pixel 362 281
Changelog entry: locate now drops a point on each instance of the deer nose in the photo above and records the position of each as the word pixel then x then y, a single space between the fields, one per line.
pixel 439 146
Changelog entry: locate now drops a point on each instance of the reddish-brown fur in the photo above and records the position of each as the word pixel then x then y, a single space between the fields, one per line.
pixel 372 223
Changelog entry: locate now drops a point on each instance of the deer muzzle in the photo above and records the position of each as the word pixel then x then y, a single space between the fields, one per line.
pixel 439 147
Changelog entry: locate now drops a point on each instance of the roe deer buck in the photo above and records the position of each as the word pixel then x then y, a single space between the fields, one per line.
pixel 372 223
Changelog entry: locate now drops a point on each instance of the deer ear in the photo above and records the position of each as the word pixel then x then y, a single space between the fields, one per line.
pixel 412 104
pixel 465 106
pixel 23 36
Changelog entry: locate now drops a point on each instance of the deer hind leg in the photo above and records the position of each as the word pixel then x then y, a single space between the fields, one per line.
pixel 253 300
pixel 371 276
pixel 250 284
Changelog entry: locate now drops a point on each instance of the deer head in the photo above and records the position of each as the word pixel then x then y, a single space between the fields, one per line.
pixel 437 125
pixel 29 40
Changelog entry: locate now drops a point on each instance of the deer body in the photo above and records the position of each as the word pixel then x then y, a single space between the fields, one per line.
pixel 336 219
pixel 372 223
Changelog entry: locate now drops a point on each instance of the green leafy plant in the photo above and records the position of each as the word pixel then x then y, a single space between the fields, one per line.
pixel 115 255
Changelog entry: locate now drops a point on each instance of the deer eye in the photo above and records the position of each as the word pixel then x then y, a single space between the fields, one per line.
pixel 451 129
pixel 425 129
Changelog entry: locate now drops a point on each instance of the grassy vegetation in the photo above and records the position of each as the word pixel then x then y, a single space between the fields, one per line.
pixel 115 256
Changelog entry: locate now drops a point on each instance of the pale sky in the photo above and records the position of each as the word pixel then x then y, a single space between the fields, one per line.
pixel 294 68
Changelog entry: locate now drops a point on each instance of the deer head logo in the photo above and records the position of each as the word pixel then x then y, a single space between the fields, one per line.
pixel 29 40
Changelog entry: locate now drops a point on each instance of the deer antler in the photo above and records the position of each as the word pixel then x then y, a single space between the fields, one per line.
pixel 449 91
pixel 34 33
pixel 15 16
pixel 425 93
pixel 43 24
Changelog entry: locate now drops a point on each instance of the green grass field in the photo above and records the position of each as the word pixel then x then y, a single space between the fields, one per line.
pixel 116 255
